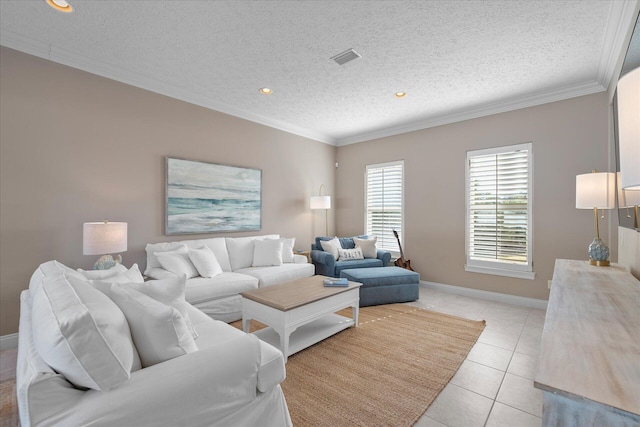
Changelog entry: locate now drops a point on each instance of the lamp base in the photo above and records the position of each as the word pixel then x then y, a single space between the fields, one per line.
pixel 106 262
pixel 598 253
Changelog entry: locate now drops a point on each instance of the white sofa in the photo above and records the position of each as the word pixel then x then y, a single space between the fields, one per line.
pixel 81 360
pixel 219 296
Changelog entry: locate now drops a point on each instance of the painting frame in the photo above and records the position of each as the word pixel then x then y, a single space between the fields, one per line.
pixel 203 197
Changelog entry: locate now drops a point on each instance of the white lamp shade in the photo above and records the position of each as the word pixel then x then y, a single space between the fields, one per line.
pixel 629 129
pixel 100 238
pixel 596 190
pixel 320 202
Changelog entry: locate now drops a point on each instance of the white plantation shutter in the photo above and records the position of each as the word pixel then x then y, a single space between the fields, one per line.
pixel 384 203
pixel 499 207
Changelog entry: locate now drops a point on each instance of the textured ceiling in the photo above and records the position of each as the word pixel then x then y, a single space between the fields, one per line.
pixel 455 59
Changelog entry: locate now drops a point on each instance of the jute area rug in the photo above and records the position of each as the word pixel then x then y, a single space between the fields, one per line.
pixel 385 372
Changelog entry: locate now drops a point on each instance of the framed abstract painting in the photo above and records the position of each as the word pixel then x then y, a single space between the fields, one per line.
pixel 209 198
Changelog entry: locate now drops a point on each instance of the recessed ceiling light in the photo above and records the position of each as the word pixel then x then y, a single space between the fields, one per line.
pixel 400 94
pixel 60 5
pixel 266 91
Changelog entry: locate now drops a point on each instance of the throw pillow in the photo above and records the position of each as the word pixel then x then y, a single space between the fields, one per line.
pixel 158 330
pixel 103 274
pixel 205 261
pixel 287 249
pixel 331 246
pixel 82 334
pixel 350 254
pixel 166 291
pixel 267 252
pixel 131 275
pixel 368 246
pixel 178 262
pixel 240 252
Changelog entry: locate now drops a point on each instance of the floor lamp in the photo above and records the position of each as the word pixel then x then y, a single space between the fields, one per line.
pixel 322 202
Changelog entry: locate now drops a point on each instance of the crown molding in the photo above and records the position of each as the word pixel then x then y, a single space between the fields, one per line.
pixel 93 66
pixel 622 19
pixel 561 94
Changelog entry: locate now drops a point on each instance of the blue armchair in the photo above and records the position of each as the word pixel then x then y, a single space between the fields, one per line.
pixel 326 265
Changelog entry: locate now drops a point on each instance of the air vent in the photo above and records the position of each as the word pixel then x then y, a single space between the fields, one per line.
pixel 346 56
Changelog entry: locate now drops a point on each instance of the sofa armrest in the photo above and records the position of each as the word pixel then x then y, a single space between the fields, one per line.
pixel 300 259
pixel 324 262
pixel 199 387
pixel 385 256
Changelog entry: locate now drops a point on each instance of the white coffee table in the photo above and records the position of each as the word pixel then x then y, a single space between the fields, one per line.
pixel 299 313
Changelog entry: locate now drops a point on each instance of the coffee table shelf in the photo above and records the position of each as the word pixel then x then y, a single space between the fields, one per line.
pixel 309 334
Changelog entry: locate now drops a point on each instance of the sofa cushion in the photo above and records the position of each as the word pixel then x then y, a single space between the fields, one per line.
pixel 217 245
pixel 267 252
pixel 361 263
pixel 103 274
pixel 82 334
pixel 273 275
pixel 166 291
pixel 368 246
pixel 287 249
pixel 177 261
pixel 159 331
pixel 131 275
pixel 49 268
pixel 350 254
pixel 205 261
pixel 240 250
pixel 332 246
pixel 200 289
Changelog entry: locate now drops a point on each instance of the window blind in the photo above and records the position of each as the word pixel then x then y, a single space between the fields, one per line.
pixel 384 203
pixel 499 211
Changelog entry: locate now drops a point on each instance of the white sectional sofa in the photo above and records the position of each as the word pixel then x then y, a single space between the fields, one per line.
pixel 107 349
pixel 244 265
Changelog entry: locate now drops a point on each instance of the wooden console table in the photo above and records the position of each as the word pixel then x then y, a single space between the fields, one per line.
pixel 589 362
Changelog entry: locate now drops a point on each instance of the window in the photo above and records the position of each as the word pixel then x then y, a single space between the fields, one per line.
pixel 499 211
pixel 384 203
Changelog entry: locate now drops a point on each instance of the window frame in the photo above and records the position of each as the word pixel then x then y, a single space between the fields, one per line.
pixel 498 267
pixel 394 252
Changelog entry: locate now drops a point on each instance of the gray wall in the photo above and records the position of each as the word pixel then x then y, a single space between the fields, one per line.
pixel 75 147
pixel 569 138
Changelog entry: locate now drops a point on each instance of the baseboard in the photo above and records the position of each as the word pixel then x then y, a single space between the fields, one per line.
pixel 8 341
pixel 491 296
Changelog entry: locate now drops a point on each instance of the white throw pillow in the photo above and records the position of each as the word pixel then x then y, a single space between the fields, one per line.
pixel 131 275
pixel 103 274
pixel 240 252
pixel 178 262
pixel 47 269
pixel 205 261
pixel 166 291
pixel 368 246
pixel 287 249
pixel 267 252
pixel 159 331
pixel 350 254
pixel 331 246
pixel 82 334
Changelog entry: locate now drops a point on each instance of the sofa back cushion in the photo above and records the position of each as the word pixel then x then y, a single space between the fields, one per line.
pixel 49 268
pixel 241 249
pixel 82 334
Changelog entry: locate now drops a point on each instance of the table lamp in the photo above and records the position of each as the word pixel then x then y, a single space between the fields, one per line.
pixel 596 191
pixel 322 202
pixel 100 238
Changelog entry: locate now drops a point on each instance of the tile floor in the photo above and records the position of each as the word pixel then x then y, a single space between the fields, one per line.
pixel 494 385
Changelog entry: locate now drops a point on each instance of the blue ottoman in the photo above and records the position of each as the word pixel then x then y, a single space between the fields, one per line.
pixel 384 285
